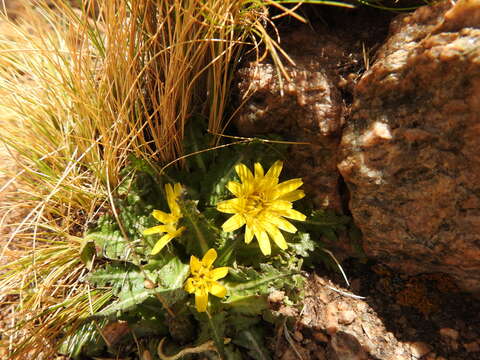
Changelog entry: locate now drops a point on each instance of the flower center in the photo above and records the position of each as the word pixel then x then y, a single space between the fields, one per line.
pixel 256 203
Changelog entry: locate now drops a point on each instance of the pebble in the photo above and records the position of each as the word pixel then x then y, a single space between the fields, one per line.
pixel 297 335
pixel 323 296
pixel 449 333
pixel 276 296
pixel 331 323
pixel 419 349
pixel 320 337
pixel 346 317
pixel 473 346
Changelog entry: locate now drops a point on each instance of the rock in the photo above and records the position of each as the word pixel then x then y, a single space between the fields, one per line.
pixel 347 347
pixel 298 336
pixel 449 333
pixel 473 346
pixel 320 337
pixel 346 317
pixel 331 320
pixel 419 349
pixel 410 153
pixel 450 337
pixel 307 107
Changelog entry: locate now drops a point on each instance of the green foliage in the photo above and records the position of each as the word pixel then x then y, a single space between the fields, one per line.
pixel 149 290
pixel 86 340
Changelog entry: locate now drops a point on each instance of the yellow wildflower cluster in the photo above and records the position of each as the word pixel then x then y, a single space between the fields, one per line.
pixel 261 203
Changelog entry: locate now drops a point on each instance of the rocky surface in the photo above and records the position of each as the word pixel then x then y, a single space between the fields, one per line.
pixel 337 324
pixel 410 152
pixel 305 107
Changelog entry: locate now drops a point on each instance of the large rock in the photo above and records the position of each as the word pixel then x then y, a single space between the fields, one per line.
pixel 305 107
pixel 411 150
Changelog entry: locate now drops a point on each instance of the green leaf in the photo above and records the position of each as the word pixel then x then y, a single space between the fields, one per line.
pixel 173 274
pixel 252 339
pixel 85 339
pixel 201 234
pixel 247 281
pixel 126 302
pixel 111 243
pixel 247 305
pixel 118 275
pixel 301 244
pixel 87 253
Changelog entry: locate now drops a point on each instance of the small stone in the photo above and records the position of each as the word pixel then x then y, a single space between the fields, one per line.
pixel 276 296
pixel 320 280
pixel 297 335
pixel 419 349
pixel 149 284
pixel 347 347
pixel 346 317
pixel 473 346
pixel 331 322
pixel 449 333
pixel 323 296
pixel 320 337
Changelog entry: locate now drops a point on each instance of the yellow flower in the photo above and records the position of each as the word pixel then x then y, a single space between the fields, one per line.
pixel 261 204
pixel 203 279
pixel 170 221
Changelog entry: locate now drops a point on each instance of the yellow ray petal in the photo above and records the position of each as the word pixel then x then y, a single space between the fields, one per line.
pixel 189 287
pixel 235 222
pixel 277 236
pixel 235 188
pixel 209 258
pixel 218 273
pixel 232 206
pixel 172 196
pixel 248 234
pixel 293 196
pixel 163 217
pixel 195 264
pixel 294 215
pixel 259 173
pixel 218 290
pixel 286 187
pixel 156 230
pixel 177 188
pixel 264 243
pixel 280 205
pixel 244 173
pixel 281 223
pixel 178 232
pixel 201 300
pixel 275 169
pixel 164 240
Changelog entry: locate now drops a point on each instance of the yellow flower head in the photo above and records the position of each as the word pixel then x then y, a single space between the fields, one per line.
pixel 261 204
pixel 203 279
pixel 170 221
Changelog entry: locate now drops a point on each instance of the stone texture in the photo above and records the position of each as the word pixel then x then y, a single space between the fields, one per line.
pixel 306 107
pixel 411 150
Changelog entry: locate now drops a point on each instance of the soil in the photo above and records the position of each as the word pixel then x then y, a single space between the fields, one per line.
pixel 399 317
